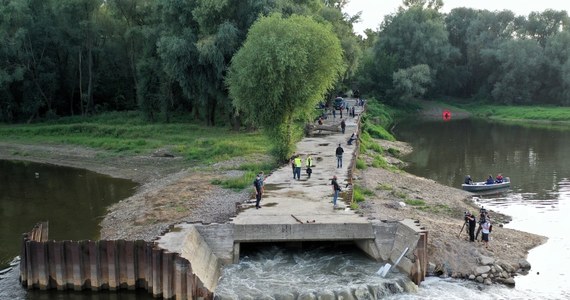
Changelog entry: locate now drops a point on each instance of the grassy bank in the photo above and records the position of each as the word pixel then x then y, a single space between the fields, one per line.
pixel 127 133
pixel 514 113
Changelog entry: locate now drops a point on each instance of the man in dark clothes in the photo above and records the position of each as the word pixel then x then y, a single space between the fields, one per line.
pixel 482 220
pixel 258 187
pixel 342 125
pixel 470 219
pixel 339 152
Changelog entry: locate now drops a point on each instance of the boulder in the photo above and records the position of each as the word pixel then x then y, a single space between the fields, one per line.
pixel 307 296
pixel 472 277
pixel 363 293
pixel 345 295
pixel 487 281
pixel 486 261
pixel 430 267
pixel 485 276
pixel 509 281
pixel 326 295
pixel 524 264
pixel 482 269
pixel 479 279
pixel 284 296
pixel 498 268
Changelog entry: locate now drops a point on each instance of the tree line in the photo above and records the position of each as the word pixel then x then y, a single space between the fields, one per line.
pixel 480 55
pixel 81 57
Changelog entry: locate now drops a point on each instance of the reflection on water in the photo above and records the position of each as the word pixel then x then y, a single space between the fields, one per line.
pixel 72 200
pixel 535 159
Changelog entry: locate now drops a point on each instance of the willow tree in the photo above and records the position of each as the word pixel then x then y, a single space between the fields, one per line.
pixel 283 70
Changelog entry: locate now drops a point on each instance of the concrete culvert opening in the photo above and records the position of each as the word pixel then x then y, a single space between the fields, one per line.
pixel 297 270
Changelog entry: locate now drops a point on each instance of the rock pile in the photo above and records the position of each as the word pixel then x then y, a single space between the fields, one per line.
pixel 488 272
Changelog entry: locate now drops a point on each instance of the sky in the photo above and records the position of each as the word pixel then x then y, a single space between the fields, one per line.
pixel 373 11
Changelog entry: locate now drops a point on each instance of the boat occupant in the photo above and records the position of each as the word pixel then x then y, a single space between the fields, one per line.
pixel 468 179
pixel 499 178
pixel 490 180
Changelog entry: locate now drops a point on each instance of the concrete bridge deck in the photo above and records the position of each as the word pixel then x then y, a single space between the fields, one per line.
pixel 310 199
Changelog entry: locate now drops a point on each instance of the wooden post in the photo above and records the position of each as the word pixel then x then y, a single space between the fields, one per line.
pixel 40 254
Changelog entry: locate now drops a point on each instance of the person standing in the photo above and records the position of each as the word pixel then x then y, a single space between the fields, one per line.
pixel 258 187
pixel 293 164
pixel 298 164
pixel 342 125
pixel 339 152
pixel 336 190
pixel 486 230
pixel 482 220
pixel 309 164
pixel 470 219
pixel 334 113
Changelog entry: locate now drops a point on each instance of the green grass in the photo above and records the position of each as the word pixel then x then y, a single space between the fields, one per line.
pixel 415 202
pixel 384 187
pixel 237 183
pixel 538 113
pixel 128 133
pixel 360 164
pixel 359 194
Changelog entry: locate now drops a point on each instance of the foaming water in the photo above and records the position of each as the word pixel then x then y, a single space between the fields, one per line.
pixel 273 272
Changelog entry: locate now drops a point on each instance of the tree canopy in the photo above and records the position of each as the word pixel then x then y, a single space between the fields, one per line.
pixel 283 70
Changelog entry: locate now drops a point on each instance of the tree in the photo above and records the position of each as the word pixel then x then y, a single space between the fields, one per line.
pixel 411 82
pixel 282 71
pixel 417 36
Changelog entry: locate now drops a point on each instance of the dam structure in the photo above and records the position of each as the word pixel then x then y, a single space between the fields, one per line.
pixel 297 211
pixel 186 262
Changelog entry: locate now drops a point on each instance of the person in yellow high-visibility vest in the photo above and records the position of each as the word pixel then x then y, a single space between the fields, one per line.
pixel 298 164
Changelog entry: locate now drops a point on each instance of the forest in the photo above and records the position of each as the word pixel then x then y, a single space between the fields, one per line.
pixel 171 57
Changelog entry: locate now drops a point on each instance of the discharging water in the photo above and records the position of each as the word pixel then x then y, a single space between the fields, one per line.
pixel 271 272
pixel 535 159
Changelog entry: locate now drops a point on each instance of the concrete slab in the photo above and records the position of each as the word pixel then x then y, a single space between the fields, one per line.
pixel 310 199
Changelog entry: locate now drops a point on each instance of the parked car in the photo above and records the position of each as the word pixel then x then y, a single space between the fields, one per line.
pixel 339 103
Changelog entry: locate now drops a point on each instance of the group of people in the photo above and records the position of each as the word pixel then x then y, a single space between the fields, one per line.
pixel 297 164
pixel 485 226
pixel 490 180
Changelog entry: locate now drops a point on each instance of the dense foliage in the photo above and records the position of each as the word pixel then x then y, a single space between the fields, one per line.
pixel 496 56
pixel 82 57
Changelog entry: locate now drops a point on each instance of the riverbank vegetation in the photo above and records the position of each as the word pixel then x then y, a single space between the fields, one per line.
pixel 127 133
pixel 536 113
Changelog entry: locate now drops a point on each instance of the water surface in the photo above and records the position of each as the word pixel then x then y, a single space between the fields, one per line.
pixel 535 159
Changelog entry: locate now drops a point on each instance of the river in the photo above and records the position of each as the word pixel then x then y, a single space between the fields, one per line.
pixel 535 159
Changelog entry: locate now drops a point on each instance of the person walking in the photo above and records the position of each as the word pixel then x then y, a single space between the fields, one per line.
pixel 309 164
pixel 339 152
pixel 258 188
pixel 336 190
pixel 293 164
pixel 298 164
pixel 342 125
pixel 334 113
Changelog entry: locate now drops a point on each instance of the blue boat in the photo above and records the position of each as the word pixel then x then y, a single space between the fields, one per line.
pixel 482 186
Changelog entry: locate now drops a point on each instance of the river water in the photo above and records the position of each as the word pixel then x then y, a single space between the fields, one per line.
pixel 535 159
